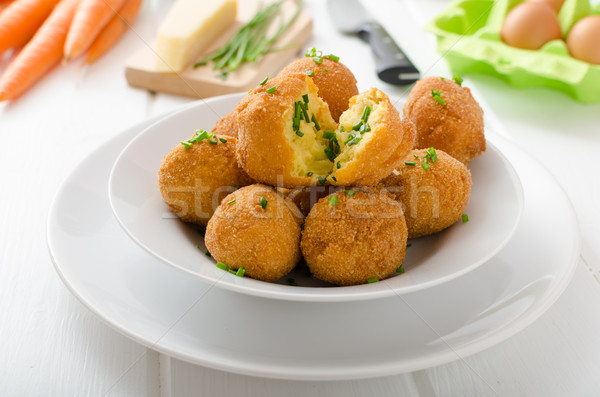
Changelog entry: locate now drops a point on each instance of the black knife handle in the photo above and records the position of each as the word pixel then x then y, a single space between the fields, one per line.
pixel 392 65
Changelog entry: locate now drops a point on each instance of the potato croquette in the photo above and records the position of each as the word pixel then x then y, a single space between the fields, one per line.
pixel 335 81
pixel 354 236
pixel 275 146
pixel 454 126
pixel 193 178
pixel 288 138
pixel 254 228
pixel 434 193
pixel 227 126
pixel 372 138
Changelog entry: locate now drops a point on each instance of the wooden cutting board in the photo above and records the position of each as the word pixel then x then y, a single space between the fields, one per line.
pixel 203 81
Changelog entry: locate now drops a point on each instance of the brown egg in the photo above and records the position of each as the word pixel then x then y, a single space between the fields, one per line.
pixel 530 25
pixel 583 41
pixel 555 4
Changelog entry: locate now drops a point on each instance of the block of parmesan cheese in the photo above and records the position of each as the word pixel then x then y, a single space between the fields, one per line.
pixel 190 26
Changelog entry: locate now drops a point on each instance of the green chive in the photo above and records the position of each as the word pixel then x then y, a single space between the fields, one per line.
pixel 302 227
pixel 365 128
pixel 207 253
pixel 354 141
pixel 318 60
pixel 458 79
pixel 322 180
pixel 213 141
pixel 372 280
pixel 223 140
pixel 230 202
pixel 357 126
pixel 300 133
pixel 333 200
pixel 305 98
pixel 432 154
pixel 437 97
pixel 231 271
pixel 425 166
pixel 263 81
pixel 271 90
pixel 350 193
pixel 240 272
pixel 310 72
pixel 334 178
pixel 338 165
pixel 186 145
pixel 334 58
pixel 365 114
pixel 221 265
pixel 292 282
pixel 410 163
pixel 351 137
pixel 408 245
pixel 400 269
pixel 328 134
pixel 309 173
pixel 314 120
pixel 311 52
pixel 465 218
pixel 325 70
pixel 304 108
pixel 263 202
pixel 416 156
pixel 329 153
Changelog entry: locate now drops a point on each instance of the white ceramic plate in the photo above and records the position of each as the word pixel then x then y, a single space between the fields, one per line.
pixel 494 211
pixel 188 318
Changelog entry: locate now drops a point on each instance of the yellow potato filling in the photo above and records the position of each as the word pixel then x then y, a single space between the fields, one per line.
pixel 322 147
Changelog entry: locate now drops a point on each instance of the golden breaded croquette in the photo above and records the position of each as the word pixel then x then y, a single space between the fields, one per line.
pixel 354 236
pixel 454 126
pixel 254 228
pixel 368 156
pixel 274 147
pixel 227 126
pixel 335 81
pixel 194 177
pixel 282 143
pixel 434 193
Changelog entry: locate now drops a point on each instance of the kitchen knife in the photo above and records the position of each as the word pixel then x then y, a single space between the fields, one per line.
pixel 392 65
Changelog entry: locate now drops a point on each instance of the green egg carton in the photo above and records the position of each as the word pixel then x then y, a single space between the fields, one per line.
pixel 468 36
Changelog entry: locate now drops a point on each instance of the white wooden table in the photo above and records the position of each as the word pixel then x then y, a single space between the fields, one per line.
pixel 51 345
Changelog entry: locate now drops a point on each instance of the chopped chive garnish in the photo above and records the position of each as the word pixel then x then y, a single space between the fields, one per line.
pixel 292 282
pixel 400 269
pixel 304 112
pixel 263 202
pixel 325 70
pixel 350 193
pixel 365 128
pixel 207 253
pixel 300 133
pixel 465 218
pixel 231 271
pixel 230 202
pixel 334 58
pixel 458 79
pixel 334 178
pixel 354 141
pixel 198 136
pixel 263 81
pixel 351 137
pixel 328 134
pixel 416 156
pixel 311 52
pixel 310 72
pixel 410 163
pixel 425 166
pixel 338 165
pixel 321 180
pixel 329 154
pixel 309 173
pixel 186 145
pixel 271 90
pixel 356 127
pixel 408 245
pixel 437 97
pixel 305 98
pixel 213 141
pixel 223 140
pixel 314 120
pixel 302 227
pixel 372 280
pixel 318 60
pixel 240 272
pixel 296 123
pixel 365 114
pixel 333 200
pixel 221 265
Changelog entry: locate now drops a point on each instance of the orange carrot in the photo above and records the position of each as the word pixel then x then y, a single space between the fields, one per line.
pixel 21 19
pixel 40 54
pixel 113 31
pixel 90 18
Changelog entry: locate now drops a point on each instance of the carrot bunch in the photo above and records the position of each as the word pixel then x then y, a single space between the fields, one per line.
pixel 55 30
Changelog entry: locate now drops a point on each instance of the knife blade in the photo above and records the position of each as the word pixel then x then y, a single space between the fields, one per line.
pixel 392 64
